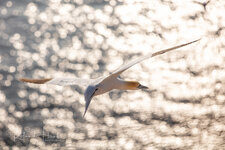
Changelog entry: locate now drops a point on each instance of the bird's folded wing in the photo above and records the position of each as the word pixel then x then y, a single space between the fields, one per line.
pixel 121 69
pixel 59 81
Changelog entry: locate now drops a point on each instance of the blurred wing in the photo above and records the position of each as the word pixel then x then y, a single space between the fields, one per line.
pixel 70 81
pixel 87 102
pixel 135 61
pixel 59 81
pixel 88 95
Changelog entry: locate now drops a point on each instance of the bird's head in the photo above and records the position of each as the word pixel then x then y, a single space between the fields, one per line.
pixel 134 85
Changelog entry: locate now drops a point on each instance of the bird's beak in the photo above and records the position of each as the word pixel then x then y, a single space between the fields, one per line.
pixel 142 87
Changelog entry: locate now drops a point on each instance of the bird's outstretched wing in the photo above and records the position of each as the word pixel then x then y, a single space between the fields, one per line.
pixel 124 67
pixel 60 81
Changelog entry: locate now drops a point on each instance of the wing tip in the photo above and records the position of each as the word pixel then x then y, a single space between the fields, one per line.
pixel 173 48
pixel 196 40
pixel 84 113
pixel 36 81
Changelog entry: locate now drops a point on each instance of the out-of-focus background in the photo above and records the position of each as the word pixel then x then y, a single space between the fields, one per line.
pixel 184 108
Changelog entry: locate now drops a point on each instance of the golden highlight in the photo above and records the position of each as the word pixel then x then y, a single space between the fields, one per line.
pixel 36 81
pixel 132 85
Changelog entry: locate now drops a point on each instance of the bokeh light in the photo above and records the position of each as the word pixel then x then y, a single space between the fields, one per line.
pixel 184 108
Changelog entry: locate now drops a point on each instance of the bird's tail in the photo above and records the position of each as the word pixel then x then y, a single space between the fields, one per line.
pixel 36 81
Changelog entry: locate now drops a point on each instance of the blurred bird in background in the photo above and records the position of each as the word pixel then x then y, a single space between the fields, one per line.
pixel 104 84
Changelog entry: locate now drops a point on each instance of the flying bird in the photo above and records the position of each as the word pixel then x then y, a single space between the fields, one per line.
pixel 104 84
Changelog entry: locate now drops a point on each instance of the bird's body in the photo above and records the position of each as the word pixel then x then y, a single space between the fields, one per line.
pixel 115 83
pixel 104 84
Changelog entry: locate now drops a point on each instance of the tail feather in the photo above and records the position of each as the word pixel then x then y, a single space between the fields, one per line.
pixel 36 81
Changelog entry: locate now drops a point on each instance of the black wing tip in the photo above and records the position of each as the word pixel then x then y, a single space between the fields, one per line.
pixel 190 42
pixel 196 40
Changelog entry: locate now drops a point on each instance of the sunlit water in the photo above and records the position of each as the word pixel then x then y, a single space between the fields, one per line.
pixel 184 108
